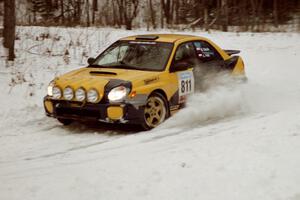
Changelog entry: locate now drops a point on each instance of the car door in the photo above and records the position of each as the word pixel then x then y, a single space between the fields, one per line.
pixel 183 63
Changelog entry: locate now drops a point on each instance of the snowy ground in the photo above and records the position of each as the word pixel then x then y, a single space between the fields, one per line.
pixel 232 142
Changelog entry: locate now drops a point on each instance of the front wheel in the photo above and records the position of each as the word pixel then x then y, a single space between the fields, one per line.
pixel 155 111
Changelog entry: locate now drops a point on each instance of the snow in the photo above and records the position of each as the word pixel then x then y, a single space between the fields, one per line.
pixel 231 142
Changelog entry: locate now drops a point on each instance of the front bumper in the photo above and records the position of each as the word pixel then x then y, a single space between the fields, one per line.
pixel 104 112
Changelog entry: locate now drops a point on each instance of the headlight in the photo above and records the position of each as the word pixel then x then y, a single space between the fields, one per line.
pixel 80 94
pixel 68 93
pixel 118 94
pixel 56 92
pixel 92 96
pixel 50 88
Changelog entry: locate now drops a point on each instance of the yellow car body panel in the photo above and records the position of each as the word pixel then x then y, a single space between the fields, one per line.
pixel 239 69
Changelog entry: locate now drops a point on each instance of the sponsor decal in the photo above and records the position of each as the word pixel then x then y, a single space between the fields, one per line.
pixel 151 80
pixel 186 84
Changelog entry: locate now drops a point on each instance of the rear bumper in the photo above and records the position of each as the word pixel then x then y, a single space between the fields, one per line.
pixel 104 112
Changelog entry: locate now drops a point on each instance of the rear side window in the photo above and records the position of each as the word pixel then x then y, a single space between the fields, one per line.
pixel 206 52
pixel 185 52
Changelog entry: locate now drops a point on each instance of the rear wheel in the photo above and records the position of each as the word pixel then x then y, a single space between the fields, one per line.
pixel 155 111
pixel 65 122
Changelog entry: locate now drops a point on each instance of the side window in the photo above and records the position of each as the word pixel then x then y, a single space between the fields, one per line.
pixel 205 52
pixel 185 53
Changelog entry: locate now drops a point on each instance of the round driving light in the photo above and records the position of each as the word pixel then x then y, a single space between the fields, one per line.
pixel 56 92
pixel 80 94
pixel 92 96
pixel 50 88
pixel 68 93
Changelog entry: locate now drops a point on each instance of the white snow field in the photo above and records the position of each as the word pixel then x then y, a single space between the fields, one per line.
pixel 233 142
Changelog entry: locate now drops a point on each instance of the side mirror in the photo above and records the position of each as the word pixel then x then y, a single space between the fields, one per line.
pixel 91 61
pixel 179 66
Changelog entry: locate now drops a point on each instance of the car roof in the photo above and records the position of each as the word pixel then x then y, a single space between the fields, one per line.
pixel 161 37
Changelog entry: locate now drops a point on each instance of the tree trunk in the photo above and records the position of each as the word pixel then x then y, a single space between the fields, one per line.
pixel 78 11
pixel 9 27
pixel 87 8
pixel 177 11
pixel 62 12
pixel 256 10
pixel 69 16
pixel 224 7
pixel 161 17
pixel 5 23
pixel 275 13
pixel 128 25
pixel 166 6
pixel 120 4
pixel 206 19
pixel 152 14
pixel 172 17
pixel 95 8
pixel 115 16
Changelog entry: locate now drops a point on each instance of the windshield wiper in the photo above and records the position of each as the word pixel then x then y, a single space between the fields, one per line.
pixel 122 64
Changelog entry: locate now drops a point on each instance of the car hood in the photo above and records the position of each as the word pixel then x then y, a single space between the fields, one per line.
pixel 97 78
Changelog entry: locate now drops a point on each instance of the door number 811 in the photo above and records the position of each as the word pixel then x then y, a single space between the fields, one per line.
pixel 186 86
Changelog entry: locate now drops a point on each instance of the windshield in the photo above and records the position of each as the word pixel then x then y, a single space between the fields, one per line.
pixel 152 56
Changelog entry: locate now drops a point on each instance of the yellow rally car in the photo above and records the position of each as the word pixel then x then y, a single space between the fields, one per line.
pixel 138 80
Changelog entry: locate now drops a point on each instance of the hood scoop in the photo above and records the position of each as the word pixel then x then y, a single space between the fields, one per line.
pixel 102 73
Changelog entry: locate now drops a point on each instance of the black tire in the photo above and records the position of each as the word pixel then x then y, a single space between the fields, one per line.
pixel 65 122
pixel 153 116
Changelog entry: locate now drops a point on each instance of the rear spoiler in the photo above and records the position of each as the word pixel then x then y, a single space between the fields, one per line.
pixel 231 52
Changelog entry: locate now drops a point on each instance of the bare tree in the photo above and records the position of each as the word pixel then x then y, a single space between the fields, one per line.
pixel 256 6
pixel 9 25
pixel 224 11
pixel 128 10
pixel 95 8
pixel 87 9
pixel 62 13
pixel 166 7
pixel 275 12
pixel 152 14
pixel 116 19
